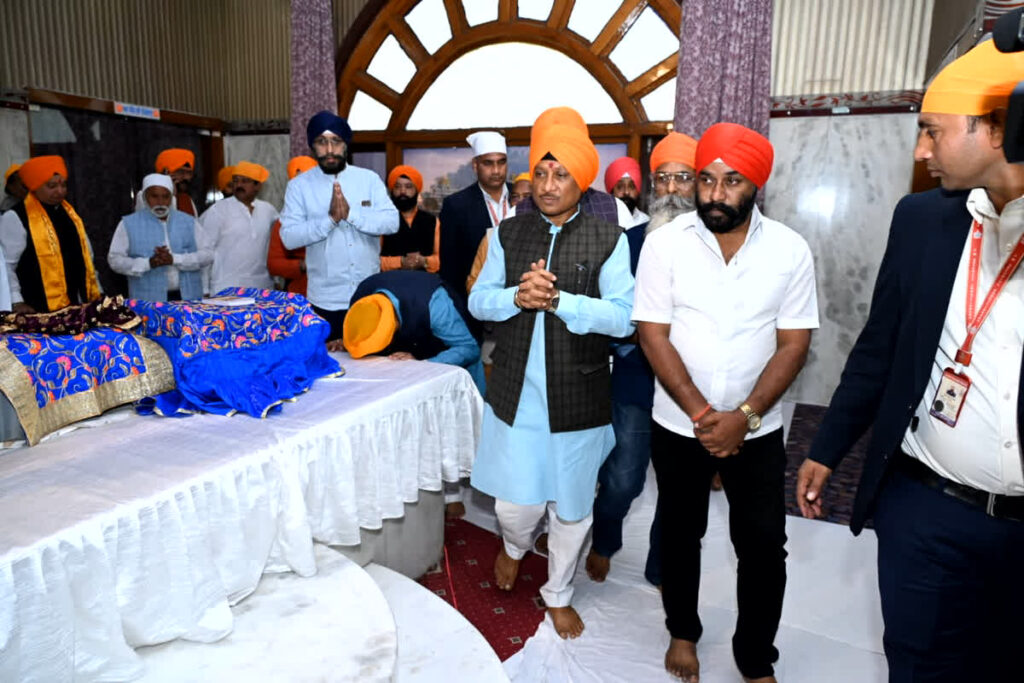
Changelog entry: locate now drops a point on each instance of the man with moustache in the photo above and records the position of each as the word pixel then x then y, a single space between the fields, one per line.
pixel 622 475
pixel 521 188
pixel 416 245
pixel 725 305
pixel 557 285
pixel 158 248
pixel 48 254
pixel 941 388
pixel 238 228
pixel 338 212
pixel 622 180
pixel 180 164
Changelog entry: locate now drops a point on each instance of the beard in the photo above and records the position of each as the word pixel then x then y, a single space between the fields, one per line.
pixel 331 165
pixel 404 203
pixel 630 202
pixel 664 209
pixel 160 211
pixel 731 216
pixel 182 186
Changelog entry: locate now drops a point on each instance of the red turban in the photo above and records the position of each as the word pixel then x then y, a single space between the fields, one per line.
pixel 247 169
pixel 740 148
pixel 407 171
pixel 571 147
pixel 674 147
pixel 170 160
pixel 621 168
pixel 37 171
pixel 300 164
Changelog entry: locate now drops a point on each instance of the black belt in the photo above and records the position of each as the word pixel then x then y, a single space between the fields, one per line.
pixel 994 504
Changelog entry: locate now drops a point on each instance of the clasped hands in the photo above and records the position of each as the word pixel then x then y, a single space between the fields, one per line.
pixel 721 433
pixel 536 287
pixel 339 205
pixel 414 261
pixel 161 257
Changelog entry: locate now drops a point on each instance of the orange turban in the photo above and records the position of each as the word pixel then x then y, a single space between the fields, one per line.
pixel 525 175
pixel 674 147
pixel 300 164
pixel 170 160
pixel 37 171
pixel 623 167
pixel 247 169
pixel 370 325
pixel 407 171
pixel 740 148
pixel 978 82
pixel 10 171
pixel 571 147
pixel 558 116
pixel 224 177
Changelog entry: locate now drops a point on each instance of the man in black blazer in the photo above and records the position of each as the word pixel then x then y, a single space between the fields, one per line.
pixel 466 215
pixel 943 479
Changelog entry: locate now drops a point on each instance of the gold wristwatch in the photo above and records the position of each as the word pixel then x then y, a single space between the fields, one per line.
pixel 753 419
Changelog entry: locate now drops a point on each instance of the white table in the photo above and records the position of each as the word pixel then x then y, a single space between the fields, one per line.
pixel 147 529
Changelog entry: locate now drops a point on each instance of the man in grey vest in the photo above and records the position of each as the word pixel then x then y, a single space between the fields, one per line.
pixel 159 249
pixel 558 287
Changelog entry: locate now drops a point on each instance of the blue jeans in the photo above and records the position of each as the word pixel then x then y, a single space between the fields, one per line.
pixel 621 479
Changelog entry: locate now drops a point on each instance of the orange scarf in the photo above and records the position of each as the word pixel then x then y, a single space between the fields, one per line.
pixel 51 261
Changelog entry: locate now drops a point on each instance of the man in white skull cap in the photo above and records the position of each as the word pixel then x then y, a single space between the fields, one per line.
pixel 159 249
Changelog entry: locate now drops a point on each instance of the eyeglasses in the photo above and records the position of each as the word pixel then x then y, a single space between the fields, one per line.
pixel 680 178
pixel 337 143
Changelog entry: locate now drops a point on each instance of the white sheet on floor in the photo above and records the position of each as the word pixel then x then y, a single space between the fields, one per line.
pixel 145 530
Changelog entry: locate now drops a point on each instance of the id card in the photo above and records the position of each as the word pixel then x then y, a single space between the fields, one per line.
pixel 949 399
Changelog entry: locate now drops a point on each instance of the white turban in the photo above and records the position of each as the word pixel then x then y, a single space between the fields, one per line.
pixel 153 180
pixel 487 142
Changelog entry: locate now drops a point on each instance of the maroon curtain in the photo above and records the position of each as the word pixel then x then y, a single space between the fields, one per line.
pixel 725 60
pixel 313 85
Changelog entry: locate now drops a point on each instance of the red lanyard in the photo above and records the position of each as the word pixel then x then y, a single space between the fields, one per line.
pixel 975 319
pixel 494 214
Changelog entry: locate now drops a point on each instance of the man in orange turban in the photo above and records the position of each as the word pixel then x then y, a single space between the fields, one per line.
pixel 289 264
pixel 672 179
pixel 942 475
pixel 14 188
pixel 49 257
pixel 417 244
pixel 180 164
pixel 556 283
pixel 725 305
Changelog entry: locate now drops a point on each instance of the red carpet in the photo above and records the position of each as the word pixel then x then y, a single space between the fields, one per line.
pixel 506 619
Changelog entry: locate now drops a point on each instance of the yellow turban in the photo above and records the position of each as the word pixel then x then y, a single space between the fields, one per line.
pixel 571 147
pixel 409 172
pixel 170 160
pixel 370 325
pixel 300 164
pixel 37 171
pixel 10 171
pixel 247 169
pixel 224 177
pixel 978 82
pixel 525 175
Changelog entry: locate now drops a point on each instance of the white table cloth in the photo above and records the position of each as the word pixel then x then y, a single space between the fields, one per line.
pixel 147 529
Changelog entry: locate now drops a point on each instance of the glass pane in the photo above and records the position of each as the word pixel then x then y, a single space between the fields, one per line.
pixel 647 42
pixel 367 113
pixel 375 161
pixel 588 18
pixel 391 66
pixel 445 171
pixel 429 22
pixel 608 152
pixel 660 104
pixel 535 9
pixel 480 11
pixel 565 83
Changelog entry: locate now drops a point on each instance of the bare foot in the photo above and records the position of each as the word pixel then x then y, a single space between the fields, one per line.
pixel 567 621
pixel 505 570
pixel 763 679
pixel 716 482
pixel 681 660
pixel 598 566
pixel 540 546
pixel 454 511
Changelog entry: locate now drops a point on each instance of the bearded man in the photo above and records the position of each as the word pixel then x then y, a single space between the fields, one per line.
pixel 417 244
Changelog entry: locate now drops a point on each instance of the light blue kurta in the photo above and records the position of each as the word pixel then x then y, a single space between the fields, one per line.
pixel 526 463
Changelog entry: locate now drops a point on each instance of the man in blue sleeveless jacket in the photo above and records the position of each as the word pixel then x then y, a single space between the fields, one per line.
pixel 158 248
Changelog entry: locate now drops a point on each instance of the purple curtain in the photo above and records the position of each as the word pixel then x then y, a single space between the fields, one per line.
pixel 725 60
pixel 313 82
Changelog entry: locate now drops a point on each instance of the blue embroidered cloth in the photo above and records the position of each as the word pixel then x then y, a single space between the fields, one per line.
pixel 229 358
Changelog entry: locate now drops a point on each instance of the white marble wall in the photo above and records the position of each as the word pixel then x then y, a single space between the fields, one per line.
pixel 14 139
pixel 836 180
pixel 270 151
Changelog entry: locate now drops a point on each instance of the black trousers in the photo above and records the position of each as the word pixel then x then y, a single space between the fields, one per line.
pixel 754 483
pixel 336 319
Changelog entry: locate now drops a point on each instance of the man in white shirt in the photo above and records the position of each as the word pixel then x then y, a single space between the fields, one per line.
pixel 623 180
pixel 158 248
pixel 725 304
pixel 338 212
pixel 238 228
pixel 943 479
